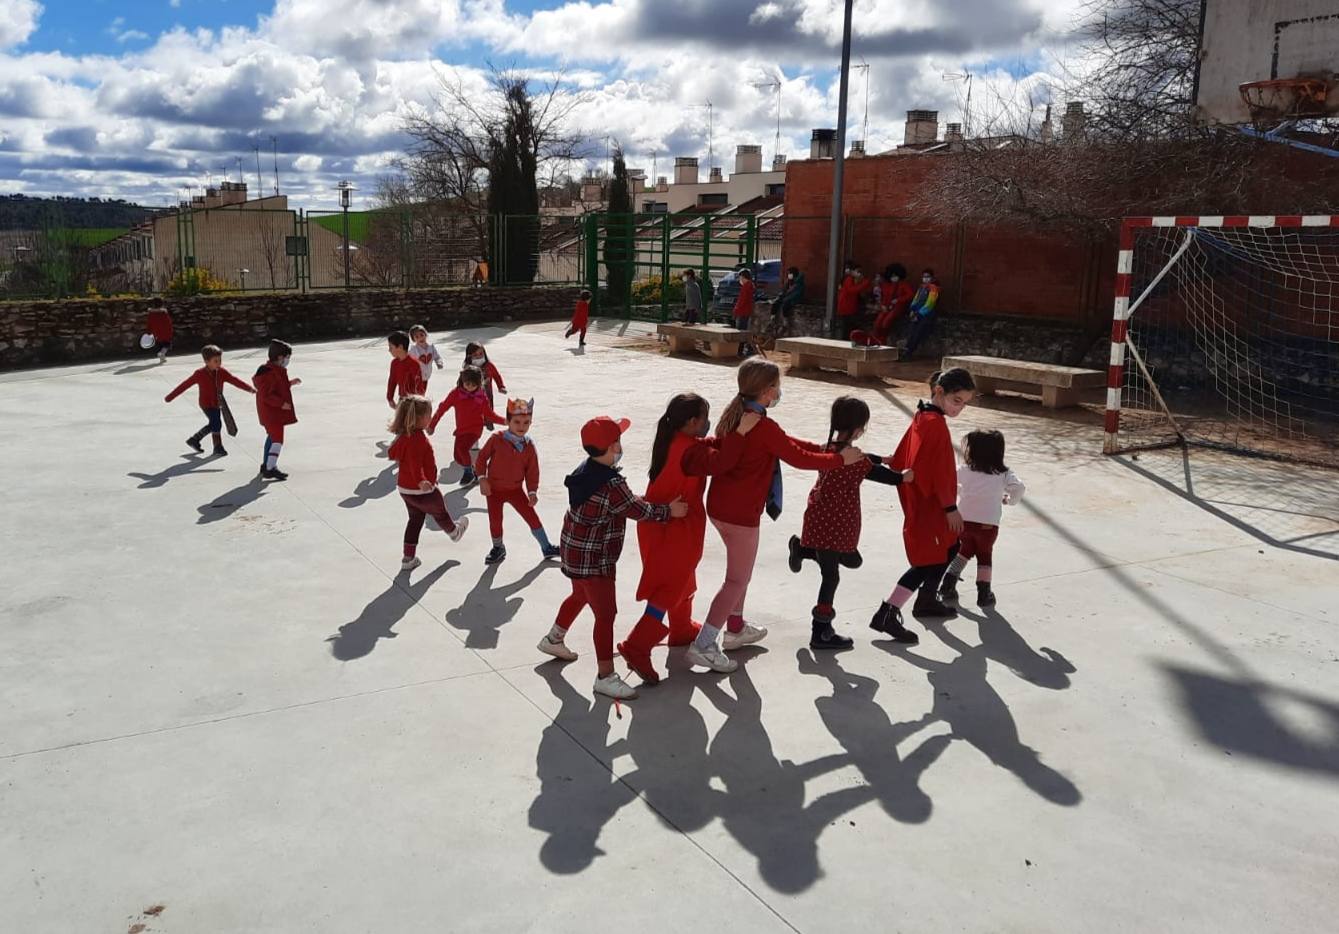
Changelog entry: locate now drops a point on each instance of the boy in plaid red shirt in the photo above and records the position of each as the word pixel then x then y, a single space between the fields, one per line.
pixel 600 503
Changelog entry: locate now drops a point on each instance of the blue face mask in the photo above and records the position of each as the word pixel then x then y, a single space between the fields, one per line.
pixel 617 457
pixel 776 401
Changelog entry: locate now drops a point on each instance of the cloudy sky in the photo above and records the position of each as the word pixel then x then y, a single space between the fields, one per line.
pixel 144 100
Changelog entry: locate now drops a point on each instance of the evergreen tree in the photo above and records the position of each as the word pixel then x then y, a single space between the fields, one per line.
pixel 618 248
pixel 513 192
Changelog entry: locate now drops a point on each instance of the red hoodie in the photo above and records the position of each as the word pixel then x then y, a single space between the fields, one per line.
pixel 417 461
pixel 160 326
pixel 211 386
pixel 744 302
pixel 406 377
pixel 273 390
pixel 848 296
pixel 472 412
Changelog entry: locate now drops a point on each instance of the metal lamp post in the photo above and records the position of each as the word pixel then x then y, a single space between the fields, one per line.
pixel 242 273
pixel 346 190
pixel 839 167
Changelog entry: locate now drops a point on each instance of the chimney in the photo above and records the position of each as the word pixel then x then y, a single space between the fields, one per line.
pixel 685 170
pixel 636 181
pixel 953 132
pixel 714 176
pixel 211 198
pixel 823 144
pixel 592 192
pixel 857 149
pixel 778 163
pixel 233 193
pixel 922 127
pixel 662 183
pixel 1047 127
pixel 748 159
pixel 1074 120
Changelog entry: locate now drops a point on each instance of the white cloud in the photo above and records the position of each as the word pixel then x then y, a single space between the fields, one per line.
pixel 18 21
pixel 174 4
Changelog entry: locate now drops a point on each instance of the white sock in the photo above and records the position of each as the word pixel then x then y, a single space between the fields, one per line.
pixel 272 461
pixel 556 633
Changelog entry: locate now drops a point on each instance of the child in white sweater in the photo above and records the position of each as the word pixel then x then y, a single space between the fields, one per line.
pixel 985 486
pixel 424 352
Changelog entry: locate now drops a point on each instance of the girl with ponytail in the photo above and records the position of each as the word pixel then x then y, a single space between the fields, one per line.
pixel 737 498
pixel 672 550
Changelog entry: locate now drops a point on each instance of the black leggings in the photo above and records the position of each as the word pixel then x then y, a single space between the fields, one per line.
pixel 926 577
pixel 830 564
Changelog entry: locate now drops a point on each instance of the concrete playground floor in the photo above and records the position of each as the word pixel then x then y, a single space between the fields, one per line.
pixel 222 707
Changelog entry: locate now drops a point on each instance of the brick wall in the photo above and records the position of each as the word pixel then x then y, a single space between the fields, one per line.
pixel 35 333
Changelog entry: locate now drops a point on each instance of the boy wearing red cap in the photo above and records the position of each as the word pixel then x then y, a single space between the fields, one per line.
pixel 599 505
pixel 508 467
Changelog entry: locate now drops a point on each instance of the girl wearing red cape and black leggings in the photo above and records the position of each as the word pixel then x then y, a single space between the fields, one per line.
pixel 932 522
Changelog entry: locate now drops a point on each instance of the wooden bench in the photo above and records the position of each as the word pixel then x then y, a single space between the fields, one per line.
pixel 812 353
pixel 1059 386
pixel 720 342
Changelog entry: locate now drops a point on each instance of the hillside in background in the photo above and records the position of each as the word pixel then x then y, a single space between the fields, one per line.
pixel 22 212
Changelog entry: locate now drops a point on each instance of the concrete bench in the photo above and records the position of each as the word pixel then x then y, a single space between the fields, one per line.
pixel 812 353
pixel 1059 386
pixel 720 342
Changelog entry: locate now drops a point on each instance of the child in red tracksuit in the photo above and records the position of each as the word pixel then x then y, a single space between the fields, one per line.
pixel 210 378
pixel 508 469
pixel 417 480
pixel 274 406
pixel 159 324
pixel 599 505
pixel 474 412
pixel 476 356
pixel 406 377
pixel 932 522
pixel 580 318
pixel 831 532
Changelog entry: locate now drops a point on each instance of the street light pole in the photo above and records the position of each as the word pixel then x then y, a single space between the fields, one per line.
pixel 346 191
pixel 839 167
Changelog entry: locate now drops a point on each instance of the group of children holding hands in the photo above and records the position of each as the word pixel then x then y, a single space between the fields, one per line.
pixel 727 477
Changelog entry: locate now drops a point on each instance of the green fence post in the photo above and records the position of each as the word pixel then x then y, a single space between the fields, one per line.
pixel 751 239
pixel 591 243
pixel 664 267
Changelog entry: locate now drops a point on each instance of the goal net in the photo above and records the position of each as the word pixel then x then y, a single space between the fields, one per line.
pixel 1226 334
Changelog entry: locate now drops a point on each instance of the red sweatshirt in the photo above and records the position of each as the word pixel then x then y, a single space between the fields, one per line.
pixel 927 448
pixel 739 494
pixel 273 390
pixel 492 378
pixel 581 315
pixel 472 412
pixel 211 386
pixel 848 296
pixel 744 301
pixel 506 468
pixel 160 326
pixel 406 378
pixel 417 462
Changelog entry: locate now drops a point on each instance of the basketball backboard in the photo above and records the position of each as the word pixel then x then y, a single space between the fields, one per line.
pixel 1254 40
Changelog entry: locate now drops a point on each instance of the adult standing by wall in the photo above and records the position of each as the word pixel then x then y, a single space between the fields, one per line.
pixel 922 311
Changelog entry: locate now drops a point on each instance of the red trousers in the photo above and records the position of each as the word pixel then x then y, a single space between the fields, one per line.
pixel 464 443
pixel 600 595
pixel 978 541
pixel 420 506
pixel 519 500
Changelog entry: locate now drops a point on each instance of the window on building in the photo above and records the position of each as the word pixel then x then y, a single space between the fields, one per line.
pixel 776 191
pixel 713 199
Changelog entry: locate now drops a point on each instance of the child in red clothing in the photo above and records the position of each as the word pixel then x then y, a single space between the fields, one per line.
pixel 850 297
pixel 737 498
pixel 599 505
pixel 508 467
pixel 159 324
pixel 580 317
pixel 474 412
pixel 406 377
pixel 671 551
pixel 476 356
pixel 743 312
pixel 417 480
pixel 931 523
pixel 274 406
pixel 831 533
pixel 210 378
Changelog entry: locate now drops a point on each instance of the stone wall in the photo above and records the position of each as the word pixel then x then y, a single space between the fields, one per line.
pixel 39 333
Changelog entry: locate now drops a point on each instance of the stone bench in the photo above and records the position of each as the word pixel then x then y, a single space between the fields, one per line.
pixel 812 353
pixel 1059 386
pixel 720 342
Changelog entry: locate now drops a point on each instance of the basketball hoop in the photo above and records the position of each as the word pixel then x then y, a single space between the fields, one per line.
pixel 1278 99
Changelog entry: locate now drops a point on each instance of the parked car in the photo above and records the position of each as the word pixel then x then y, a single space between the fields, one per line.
pixel 766 282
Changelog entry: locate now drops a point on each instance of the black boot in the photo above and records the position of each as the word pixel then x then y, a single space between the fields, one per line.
pixel 796 554
pixel 496 555
pixel 468 477
pixel 984 595
pixel 932 607
pixel 193 442
pixel 888 619
pixel 948 590
pixel 824 636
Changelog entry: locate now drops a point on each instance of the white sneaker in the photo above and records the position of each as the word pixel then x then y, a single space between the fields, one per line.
pixel 408 564
pixel 556 649
pixel 458 532
pixel 611 685
pixel 709 658
pixel 746 636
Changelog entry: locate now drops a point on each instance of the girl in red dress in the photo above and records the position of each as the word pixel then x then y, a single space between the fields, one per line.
pixel 580 317
pixel 831 533
pixel 681 459
pixel 929 503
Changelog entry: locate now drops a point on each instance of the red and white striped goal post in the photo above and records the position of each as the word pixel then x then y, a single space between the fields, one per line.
pixel 1120 319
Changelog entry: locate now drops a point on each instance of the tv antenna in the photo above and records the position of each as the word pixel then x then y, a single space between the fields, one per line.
pixel 711 136
pixel 965 77
pixel 864 126
pixel 260 186
pixel 274 144
pixel 774 84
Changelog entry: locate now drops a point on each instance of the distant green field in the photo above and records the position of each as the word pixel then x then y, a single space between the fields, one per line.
pixel 92 236
pixel 360 222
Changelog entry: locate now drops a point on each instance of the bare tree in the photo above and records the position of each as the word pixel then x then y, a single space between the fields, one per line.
pixel 273 246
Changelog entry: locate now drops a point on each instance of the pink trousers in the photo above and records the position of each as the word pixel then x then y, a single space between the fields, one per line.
pixel 741 551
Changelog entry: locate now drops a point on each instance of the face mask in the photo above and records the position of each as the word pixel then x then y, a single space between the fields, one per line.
pixel 477 361
pixel 283 362
pixel 925 279
pixel 617 457
pixel 777 401
pixel 704 430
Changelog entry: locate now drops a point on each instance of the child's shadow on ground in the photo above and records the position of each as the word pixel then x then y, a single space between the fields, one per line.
pixel 1044 667
pixel 358 638
pixel 372 488
pixel 383 449
pixel 191 463
pixel 457 501
pixel 224 505
pixel 486 608
pixel 137 368
pixel 577 351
